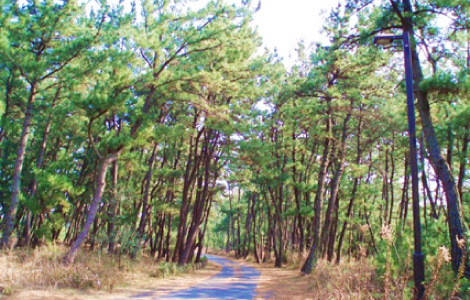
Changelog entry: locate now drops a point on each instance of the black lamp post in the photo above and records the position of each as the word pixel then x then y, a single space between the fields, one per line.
pixel 418 256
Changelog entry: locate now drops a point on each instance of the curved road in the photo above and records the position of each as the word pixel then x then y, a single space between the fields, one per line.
pixel 234 281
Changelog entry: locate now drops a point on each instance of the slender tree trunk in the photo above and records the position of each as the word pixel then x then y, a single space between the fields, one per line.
pixel 202 195
pixel 161 237
pixel 331 219
pixel 202 233
pixel 168 239
pixel 10 213
pixel 392 180
pixel 254 213
pixel 239 245
pixel 145 203
pixel 113 208
pixel 353 192
pixel 463 163
pixel 5 151
pixel 228 245
pixel 270 234
pixel 248 219
pixel 92 236
pixel 297 195
pixel 105 162
pixel 231 229
pixel 450 142
pixel 190 175
pixel 313 254
pixel 385 194
pixel 426 190
pixel 39 164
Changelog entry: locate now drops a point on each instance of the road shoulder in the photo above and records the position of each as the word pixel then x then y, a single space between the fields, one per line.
pixel 148 288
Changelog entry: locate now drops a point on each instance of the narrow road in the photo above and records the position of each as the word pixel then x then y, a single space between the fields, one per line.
pixel 234 281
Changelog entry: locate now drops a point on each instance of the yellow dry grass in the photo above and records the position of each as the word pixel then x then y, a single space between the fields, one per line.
pixel 350 280
pixel 39 274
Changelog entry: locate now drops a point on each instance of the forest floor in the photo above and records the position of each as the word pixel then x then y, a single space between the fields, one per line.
pixel 137 285
pixel 352 280
pixel 38 274
pixel 274 283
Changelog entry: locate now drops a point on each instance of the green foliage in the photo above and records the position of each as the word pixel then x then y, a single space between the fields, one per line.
pixel 197 120
pixel 395 260
pixel 441 83
pixel 169 269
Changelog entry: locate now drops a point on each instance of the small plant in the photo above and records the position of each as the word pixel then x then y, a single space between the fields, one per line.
pixel 6 290
pixel 166 269
pixel 443 257
pixel 461 271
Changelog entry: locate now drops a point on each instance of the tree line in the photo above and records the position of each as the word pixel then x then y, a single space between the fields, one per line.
pixel 163 127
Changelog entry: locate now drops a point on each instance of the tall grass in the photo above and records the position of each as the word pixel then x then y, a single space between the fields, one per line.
pixel 42 268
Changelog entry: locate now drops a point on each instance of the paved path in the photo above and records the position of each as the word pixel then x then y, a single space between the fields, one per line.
pixel 234 281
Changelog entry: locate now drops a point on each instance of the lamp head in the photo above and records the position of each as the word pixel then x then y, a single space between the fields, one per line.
pixel 386 40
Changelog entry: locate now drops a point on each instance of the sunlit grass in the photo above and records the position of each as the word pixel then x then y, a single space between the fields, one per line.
pixel 42 268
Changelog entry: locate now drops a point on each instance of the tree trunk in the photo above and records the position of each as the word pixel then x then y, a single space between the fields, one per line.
pixel 202 196
pixel 145 203
pixel 463 163
pixel 39 164
pixel 105 162
pixel 113 209
pixel 168 239
pixel 313 254
pixel 239 245
pixel 253 213
pixel 392 180
pixel 353 192
pixel 190 175
pixel 202 233
pixel 440 165
pixel 297 198
pixel 332 214
pixel 10 213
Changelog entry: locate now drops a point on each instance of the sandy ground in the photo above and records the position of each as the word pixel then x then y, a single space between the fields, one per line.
pixel 285 283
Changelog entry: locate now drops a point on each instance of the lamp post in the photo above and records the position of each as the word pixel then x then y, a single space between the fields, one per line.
pixel 418 256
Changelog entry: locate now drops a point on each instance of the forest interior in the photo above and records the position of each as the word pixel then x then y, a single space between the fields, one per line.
pixel 136 136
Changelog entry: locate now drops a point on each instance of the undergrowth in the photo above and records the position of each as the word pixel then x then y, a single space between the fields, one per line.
pixel 42 268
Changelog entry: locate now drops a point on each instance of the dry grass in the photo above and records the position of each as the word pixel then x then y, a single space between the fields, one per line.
pixel 39 274
pixel 350 280
pixel 42 268
pixel 353 280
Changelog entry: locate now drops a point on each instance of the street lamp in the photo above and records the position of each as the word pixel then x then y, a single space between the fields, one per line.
pixel 418 256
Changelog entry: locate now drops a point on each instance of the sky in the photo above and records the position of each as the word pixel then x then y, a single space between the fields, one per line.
pixel 282 24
